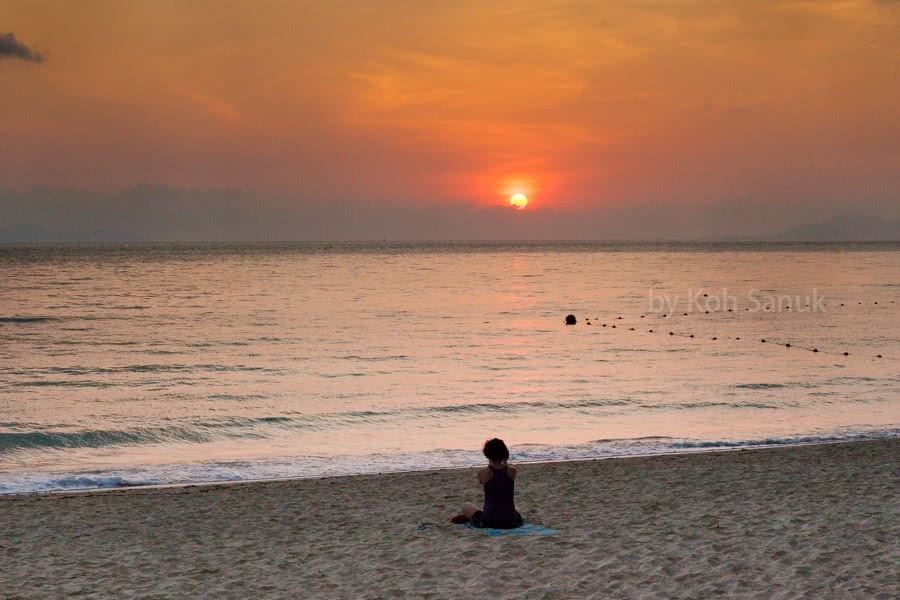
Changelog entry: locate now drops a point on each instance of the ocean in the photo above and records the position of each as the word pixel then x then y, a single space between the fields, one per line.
pixel 188 363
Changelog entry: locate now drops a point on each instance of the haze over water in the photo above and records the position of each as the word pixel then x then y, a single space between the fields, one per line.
pixel 180 363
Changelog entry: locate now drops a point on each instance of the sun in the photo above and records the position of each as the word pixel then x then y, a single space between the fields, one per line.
pixel 518 201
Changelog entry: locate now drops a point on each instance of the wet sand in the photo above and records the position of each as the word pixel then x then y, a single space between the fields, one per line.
pixel 819 521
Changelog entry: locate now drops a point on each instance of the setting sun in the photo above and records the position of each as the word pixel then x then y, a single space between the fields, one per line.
pixel 518 201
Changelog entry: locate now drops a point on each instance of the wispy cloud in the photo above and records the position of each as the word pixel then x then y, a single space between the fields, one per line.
pixel 10 47
pixel 214 106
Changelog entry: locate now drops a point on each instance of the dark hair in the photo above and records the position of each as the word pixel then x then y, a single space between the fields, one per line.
pixel 495 449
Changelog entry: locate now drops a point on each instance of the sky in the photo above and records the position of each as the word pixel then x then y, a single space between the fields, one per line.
pixel 623 118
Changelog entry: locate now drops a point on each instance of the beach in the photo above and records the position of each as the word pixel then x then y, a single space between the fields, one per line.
pixel 275 275
pixel 810 521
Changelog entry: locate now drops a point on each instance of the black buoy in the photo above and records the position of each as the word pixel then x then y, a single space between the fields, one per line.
pixel 642 316
pixel 613 326
pixel 715 338
pixel 650 331
pixel 685 314
pixel 842 303
pixel 846 354
pixel 671 333
pixel 692 335
pixel 618 318
pixel 570 320
pixel 734 338
pixel 631 329
pixel 763 341
pixel 877 356
pixel 815 349
pixel 604 324
pixel 786 345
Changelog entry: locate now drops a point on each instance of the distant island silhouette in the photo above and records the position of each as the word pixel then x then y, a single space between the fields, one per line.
pixel 852 227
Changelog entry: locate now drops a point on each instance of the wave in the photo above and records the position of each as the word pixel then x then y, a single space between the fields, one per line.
pixel 783 441
pixel 202 430
pixel 194 431
pixel 775 386
pixel 324 466
pixel 372 358
pixel 136 368
pixel 90 482
pixel 760 386
pixel 27 319
pixel 66 383
pixel 689 405
pixel 97 438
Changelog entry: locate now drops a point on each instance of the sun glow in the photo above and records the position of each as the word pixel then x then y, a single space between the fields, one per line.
pixel 518 201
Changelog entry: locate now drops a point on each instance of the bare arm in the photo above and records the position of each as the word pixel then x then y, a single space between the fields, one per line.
pixel 484 475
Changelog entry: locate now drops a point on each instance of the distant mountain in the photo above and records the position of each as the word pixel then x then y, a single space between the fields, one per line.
pixel 41 234
pixel 844 228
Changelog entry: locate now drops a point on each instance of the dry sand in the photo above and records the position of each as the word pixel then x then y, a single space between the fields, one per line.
pixel 803 522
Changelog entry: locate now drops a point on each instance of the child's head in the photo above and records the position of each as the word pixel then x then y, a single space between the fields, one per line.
pixel 496 450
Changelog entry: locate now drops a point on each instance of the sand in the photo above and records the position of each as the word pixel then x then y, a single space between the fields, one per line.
pixel 802 522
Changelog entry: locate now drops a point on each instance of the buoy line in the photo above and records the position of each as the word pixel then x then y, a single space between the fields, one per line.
pixel 616 324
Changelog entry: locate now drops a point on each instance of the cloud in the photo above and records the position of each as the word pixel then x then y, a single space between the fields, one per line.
pixel 10 47
pixel 214 106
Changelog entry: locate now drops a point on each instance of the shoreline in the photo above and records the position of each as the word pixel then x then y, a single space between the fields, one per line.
pixel 816 520
pixel 678 452
pixel 224 482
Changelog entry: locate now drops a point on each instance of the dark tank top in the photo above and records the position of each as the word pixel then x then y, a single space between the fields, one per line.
pixel 499 505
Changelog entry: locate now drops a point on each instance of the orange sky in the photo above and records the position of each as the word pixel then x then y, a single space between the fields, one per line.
pixel 577 103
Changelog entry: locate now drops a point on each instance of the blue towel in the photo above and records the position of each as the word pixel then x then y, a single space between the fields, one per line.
pixel 525 529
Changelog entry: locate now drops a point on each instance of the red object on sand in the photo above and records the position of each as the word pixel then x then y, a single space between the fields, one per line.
pixel 460 518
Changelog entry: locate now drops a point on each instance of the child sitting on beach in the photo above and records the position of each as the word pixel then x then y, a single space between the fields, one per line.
pixel 499 481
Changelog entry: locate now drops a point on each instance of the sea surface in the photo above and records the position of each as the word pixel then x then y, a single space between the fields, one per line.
pixel 151 364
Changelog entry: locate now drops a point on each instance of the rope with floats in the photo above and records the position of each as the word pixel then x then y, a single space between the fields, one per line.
pixel 571 320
